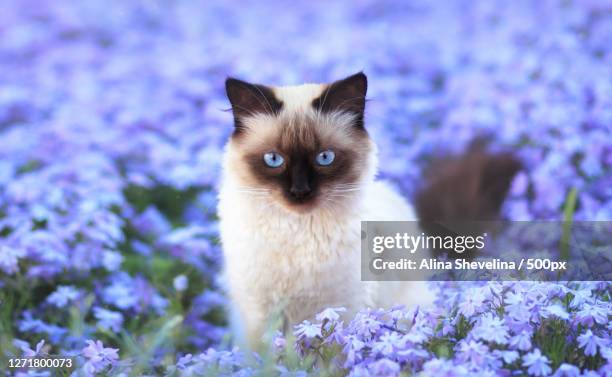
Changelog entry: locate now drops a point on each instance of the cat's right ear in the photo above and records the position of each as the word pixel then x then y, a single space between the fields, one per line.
pixel 250 99
pixel 346 95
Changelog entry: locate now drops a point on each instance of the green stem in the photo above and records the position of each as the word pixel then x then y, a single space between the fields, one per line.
pixel 568 218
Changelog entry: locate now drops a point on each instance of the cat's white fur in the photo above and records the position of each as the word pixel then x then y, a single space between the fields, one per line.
pixel 301 263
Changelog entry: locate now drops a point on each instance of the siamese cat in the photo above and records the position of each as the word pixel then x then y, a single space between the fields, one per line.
pixel 299 175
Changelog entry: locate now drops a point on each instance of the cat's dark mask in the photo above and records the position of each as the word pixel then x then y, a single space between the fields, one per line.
pixel 305 145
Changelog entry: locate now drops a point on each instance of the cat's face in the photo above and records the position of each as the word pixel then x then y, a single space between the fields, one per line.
pixel 303 147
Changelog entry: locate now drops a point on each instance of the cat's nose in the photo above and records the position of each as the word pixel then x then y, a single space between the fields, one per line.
pixel 301 191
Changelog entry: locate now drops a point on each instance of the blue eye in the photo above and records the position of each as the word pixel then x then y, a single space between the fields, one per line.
pixel 325 158
pixel 273 159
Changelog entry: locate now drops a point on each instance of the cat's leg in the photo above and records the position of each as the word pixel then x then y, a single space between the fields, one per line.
pixel 248 318
pixel 409 294
pixel 236 326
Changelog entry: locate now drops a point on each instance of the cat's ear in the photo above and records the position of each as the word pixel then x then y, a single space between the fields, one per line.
pixel 346 95
pixel 250 99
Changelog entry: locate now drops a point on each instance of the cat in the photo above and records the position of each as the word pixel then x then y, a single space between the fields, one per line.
pixel 298 177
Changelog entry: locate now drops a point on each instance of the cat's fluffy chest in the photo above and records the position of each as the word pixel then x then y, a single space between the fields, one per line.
pixel 289 257
pixel 300 264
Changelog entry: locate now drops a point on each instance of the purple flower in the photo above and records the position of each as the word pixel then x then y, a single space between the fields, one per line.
pixel 448 327
pixel 387 344
pixel 473 302
pixel 151 222
pixel 606 352
pixel 330 314
pixel 475 354
pixel 279 342
pixel 443 368
pixel 555 310
pixel 352 347
pixel 384 367
pixel 63 295
pixel 135 293
pixel 537 363
pixel 207 301
pixel 284 372
pixel 307 330
pixel 509 356
pixel 491 329
pixel 521 341
pixel 141 248
pixel 98 357
pixel 417 335
pixel 9 258
pixel 108 319
pixel 28 352
pixel 180 283
pixel 590 342
pixel 365 325
pixel 111 260
pixel 593 313
pixel 413 355
pixel 567 370
pixel 30 324
pixel 517 307
pixel 184 361
pixel 359 371
pixel 121 294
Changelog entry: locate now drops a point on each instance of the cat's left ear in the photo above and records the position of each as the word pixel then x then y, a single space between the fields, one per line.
pixel 346 95
pixel 250 99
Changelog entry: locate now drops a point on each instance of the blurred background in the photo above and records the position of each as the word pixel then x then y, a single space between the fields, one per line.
pixel 112 125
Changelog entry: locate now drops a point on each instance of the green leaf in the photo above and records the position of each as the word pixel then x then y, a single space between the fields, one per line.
pixel 568 218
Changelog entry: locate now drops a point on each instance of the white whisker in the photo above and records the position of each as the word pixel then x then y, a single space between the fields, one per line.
pixel 252 189
pixel 338 196
pixel 260 194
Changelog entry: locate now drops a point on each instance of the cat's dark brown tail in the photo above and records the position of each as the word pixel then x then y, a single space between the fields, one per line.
pixel 469 187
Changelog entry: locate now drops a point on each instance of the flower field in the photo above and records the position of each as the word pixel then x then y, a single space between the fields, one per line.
pixel 112 123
